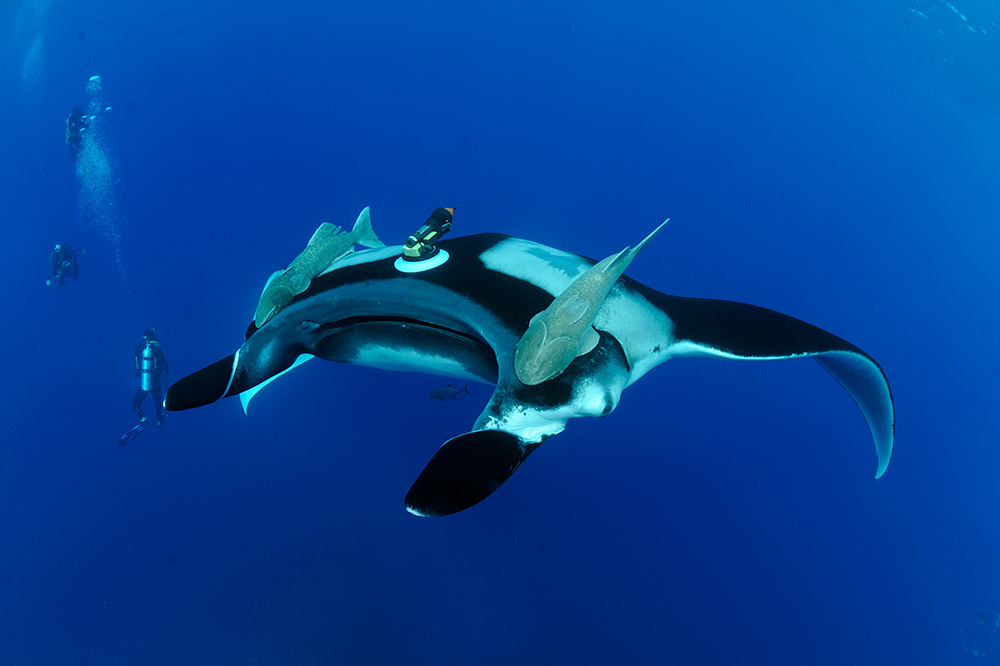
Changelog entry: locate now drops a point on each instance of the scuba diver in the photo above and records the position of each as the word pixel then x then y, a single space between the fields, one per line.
pixel 76 125
pixel 150 367
pixel 63 264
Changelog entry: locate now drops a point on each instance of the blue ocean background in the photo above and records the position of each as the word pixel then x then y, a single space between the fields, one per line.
pixel 835 160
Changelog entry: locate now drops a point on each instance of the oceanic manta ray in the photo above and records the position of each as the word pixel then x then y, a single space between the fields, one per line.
pixel 464 318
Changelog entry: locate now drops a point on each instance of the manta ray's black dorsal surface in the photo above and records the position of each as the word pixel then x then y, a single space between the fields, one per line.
pixel 463 319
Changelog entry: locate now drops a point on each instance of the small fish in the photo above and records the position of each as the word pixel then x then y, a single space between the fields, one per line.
pixel 448 392
pixel 326 246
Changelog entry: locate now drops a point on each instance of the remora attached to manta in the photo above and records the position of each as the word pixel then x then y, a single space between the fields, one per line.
pixel 464 318
pixel 326 246
pixel 564 330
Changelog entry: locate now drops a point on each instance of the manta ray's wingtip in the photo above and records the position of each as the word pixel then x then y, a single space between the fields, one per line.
pixel 883 461
pixel 866 383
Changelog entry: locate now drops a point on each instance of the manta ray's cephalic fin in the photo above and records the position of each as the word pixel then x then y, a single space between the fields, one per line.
pixel 465 471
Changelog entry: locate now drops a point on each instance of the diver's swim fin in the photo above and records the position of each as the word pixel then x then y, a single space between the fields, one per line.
pixel 127 438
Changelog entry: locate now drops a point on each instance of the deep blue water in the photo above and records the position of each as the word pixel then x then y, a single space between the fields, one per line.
pixel 833 160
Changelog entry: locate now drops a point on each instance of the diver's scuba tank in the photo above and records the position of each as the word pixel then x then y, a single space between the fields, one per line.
pixel 146 367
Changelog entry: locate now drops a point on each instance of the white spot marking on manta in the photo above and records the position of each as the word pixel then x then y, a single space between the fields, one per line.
pixel 594 398
pixel 545 267
pixel 232 373
pixel 689 348
pixel 641 328
pixel 411 360
pixel 532 424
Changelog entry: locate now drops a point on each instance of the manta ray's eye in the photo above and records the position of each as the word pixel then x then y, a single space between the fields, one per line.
pixel 609 404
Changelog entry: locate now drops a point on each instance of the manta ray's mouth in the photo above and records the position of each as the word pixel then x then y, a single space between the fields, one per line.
pixel 401 322
pixel 419 345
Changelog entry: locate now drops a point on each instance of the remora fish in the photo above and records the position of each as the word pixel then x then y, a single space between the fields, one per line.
pixel 564 330
pixel 325 247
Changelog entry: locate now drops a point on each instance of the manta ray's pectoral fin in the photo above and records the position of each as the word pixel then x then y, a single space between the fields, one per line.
pixel 465 471
pixel 726 329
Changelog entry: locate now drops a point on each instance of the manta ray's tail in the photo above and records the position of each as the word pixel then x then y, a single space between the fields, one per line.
pixel 363 232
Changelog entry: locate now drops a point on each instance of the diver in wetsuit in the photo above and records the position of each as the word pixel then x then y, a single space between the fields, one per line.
pixel 150 367
pixel 63 264
pixel 76 124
